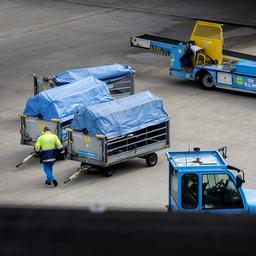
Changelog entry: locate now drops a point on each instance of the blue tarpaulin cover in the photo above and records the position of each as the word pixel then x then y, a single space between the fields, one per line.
pixel 62 103
pixel 122 116
pixel 108 73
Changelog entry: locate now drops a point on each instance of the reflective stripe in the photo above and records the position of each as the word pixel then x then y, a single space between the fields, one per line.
pixel 49 160
pixel 48 149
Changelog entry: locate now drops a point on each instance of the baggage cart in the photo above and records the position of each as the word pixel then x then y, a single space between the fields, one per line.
pixel 55 108
pixel 99 151
pixel 119 78
pixel 121 88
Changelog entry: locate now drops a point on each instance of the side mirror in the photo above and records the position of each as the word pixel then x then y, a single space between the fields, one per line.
pixel 239 181
pixel 223 151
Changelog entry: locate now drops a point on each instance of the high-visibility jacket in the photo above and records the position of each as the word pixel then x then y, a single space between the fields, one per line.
pixel 49 144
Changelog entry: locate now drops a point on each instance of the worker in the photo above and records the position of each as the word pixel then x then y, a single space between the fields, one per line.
pixel 49 145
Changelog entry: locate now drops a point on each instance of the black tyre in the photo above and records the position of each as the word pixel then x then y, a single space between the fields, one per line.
pixel 206 81
pixel 151 159
pixel 108 172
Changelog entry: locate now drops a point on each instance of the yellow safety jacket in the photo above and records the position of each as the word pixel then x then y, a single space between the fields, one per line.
pixel 49 144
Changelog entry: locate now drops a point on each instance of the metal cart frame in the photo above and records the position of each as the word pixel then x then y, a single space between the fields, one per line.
pixel 32 128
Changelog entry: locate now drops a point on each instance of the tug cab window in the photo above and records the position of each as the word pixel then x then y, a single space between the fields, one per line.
pixel 219 192
pixel 189 191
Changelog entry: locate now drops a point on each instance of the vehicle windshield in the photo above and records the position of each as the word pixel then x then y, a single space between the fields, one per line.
pixel 219 191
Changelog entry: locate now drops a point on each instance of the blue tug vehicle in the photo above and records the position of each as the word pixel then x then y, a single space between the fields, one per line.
pixel 202 181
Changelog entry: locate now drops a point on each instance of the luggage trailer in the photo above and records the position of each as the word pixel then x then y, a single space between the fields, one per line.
pixel 102 153
pixel 118 88
pixel 54 108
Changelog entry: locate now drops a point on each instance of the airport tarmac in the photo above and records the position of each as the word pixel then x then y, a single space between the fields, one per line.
pixel 51 36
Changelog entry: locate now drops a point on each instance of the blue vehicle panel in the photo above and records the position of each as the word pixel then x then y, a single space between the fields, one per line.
pixel 246 67
pixel 244 82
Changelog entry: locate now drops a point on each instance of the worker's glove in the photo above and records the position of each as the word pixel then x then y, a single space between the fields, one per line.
pixel 61 154
pixel 38 154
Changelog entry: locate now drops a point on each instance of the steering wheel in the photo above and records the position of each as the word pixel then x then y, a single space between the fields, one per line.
pixel 220 185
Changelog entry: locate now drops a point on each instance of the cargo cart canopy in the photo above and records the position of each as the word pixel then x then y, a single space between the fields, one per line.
pixel 62 103
pixel 122 116
pixel 108 74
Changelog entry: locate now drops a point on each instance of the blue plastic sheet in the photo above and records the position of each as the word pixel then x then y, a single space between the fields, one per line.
pixel 122 116
pixel 62 102
pixel 108 74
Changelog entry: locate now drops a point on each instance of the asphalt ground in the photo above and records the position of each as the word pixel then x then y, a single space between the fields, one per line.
pixel 51 36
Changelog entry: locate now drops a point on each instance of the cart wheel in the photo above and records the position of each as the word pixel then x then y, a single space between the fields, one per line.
pixel 151 159
pixel 206 81
pixel 82 164
pixel 108 172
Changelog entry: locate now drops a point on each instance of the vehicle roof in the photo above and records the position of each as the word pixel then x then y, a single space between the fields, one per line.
pixel 182 160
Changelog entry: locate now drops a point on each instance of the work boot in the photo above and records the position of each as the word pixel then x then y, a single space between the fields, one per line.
pixel 55 183
pixel 48 182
